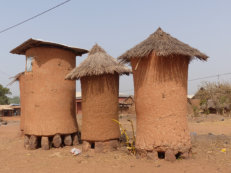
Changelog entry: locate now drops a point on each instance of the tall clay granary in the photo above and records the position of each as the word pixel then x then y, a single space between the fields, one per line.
pixel 48 100
pixel 99 75
pixel 160 72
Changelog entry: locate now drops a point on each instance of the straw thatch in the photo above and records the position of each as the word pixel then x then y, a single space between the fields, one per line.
pixel 164 45
pixel 97 63
pixel 15 78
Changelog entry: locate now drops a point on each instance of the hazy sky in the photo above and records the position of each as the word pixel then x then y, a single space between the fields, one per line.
pixel 117 26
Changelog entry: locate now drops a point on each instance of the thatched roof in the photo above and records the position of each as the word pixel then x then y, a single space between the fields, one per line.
pixel 15 78
pixel 98 62
pixel 30 43
pixel 164 45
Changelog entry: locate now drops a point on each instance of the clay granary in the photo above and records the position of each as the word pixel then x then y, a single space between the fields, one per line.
pixel 99 76
pixel 48 100
pixel 160 72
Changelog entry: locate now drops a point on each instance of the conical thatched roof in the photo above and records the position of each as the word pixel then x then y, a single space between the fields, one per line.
pixel 164 45
pixel 98 62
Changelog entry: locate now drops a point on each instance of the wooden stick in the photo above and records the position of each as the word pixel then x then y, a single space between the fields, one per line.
pixel 137 64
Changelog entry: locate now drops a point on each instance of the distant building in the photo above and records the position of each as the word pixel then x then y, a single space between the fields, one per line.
pixel 10 110
pixel 125 102
pixel 126 105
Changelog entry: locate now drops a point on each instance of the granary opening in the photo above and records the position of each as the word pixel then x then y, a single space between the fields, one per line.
pixel 178 155
pixel 29 63
pixel 161 154
pixel 92 145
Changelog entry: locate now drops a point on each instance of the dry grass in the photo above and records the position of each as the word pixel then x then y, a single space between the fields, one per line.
pixel 164 45
pixel 217 93
pixel 97 63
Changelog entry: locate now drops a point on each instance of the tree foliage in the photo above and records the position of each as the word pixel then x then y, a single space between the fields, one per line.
pixel 216 95
pixel 4 92
pixel 14 100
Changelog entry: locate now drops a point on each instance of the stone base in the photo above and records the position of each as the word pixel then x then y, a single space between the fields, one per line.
pixel 168 155
pixel 100 147
pixel 32 142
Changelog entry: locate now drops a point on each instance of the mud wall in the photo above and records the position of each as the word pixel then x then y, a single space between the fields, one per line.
pixel 99 107
pixel 49 98
pixel 161 103
pixel 22 96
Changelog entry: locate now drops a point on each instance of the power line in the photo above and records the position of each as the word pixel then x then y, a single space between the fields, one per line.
pixel 206 77
pixel 212 76
pixel 33 17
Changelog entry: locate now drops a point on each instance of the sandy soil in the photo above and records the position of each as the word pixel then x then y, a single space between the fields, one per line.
pixel 208 138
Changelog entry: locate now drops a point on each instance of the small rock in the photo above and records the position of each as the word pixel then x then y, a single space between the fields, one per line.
pixel 26 141
pixel 57 141
pixel 185 155
pixel 45 143
pixel 67 140
pixel 210 133
pixel 152 155
pixel 33 142
pixel 75 139
pixel 170 156
pixel 106 146
pixel 99 147
pixel 86 146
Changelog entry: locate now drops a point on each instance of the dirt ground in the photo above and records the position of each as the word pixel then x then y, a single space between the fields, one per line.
pixel 209 136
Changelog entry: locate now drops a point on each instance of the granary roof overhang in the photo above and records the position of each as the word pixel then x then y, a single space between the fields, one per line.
pixel 163 44
pixel 30 43
pixel 98 63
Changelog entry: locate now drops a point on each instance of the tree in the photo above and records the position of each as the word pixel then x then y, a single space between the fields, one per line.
pixel 216 95
pixel 3 95
pixel 14 100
